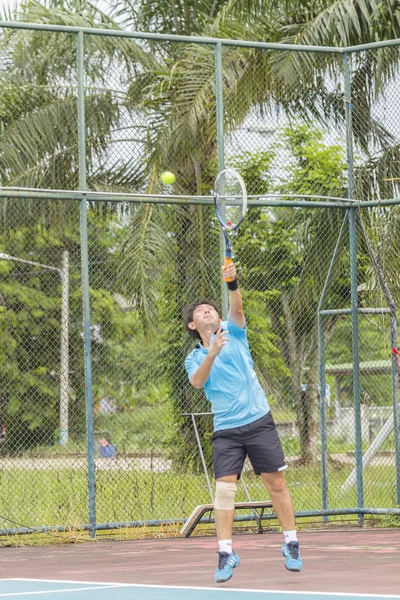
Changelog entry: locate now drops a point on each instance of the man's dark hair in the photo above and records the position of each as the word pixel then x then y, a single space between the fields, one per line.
pixel 188 315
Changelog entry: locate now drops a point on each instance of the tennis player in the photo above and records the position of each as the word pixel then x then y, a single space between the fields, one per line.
pixel 221 364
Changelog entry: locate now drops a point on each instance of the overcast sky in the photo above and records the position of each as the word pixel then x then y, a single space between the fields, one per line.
pixel 4 4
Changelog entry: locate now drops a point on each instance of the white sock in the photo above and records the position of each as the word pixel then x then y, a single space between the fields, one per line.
pixel 225 546
pixel 290 536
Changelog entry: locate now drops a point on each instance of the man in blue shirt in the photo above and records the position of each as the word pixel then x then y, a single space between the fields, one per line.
pixel 222 365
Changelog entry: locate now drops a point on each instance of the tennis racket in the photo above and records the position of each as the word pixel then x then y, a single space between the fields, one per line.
pixel 230 200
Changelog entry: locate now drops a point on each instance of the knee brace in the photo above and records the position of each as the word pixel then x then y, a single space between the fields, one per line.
pixel 225 492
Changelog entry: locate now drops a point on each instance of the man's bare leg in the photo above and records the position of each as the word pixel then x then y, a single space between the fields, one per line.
pixel 224 518
pixel 228 560
pixel 281 499
pixel 283 506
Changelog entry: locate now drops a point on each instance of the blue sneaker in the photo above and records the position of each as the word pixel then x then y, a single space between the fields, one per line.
pixel 226 563
pixel 291 554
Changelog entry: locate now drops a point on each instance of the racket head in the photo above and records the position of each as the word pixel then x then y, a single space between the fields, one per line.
pixel 230 200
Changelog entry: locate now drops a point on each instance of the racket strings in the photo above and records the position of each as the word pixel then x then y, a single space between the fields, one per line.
pixel 230 200
pixel 231 215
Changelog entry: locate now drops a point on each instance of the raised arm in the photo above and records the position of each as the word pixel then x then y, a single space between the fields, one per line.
pixel 236 313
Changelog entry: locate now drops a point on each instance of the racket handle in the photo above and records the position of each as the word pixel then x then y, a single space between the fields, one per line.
pixel 228 261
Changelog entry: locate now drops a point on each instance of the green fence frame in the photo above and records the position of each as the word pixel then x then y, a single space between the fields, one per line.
pixel 349 206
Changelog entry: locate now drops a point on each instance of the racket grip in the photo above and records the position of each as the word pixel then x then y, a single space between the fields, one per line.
pixel 228 261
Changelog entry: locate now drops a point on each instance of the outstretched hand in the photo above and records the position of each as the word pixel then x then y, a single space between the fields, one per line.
pixel 219 342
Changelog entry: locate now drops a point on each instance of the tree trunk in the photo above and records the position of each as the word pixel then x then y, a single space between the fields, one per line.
pixel 309 414
pixel 306 402
pixel 188 287
pixel 308 419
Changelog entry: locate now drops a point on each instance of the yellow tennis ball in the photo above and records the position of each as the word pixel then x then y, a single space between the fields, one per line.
pixel 168 177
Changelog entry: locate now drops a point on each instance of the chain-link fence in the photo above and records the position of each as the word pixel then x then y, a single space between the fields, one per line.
pixel 99 424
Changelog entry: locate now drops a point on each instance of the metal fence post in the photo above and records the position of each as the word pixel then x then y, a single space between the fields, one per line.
pixel 221 155
pixel 323 424
pixel 393 343
pixel 85 285
pixel 64 367
pixel 322 374
pixel 395 397
pixel 353 277
pixel 356 358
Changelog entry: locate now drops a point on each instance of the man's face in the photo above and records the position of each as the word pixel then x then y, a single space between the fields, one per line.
pixel 205 318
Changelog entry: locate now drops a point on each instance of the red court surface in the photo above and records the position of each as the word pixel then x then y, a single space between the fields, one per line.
pixel 348 561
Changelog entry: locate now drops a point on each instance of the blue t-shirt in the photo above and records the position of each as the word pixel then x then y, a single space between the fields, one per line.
pixel 233 389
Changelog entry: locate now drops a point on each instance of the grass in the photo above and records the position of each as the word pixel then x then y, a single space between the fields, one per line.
pixel 284 414
pixel 60 497
pixel 46 498
pixel 149 430
pixel 145 430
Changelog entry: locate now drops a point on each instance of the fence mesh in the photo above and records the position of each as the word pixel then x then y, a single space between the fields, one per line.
pixel 375 123
pixel 278 121
pixel 150 108
pixel 43 461
pixel 39 110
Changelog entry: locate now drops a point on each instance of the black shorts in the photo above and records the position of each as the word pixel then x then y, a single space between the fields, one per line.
pixel 258 440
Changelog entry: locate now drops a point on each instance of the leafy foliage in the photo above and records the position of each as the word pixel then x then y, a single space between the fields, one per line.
pixel 162 95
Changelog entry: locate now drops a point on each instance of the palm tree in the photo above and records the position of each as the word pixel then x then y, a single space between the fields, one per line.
pixel 172 89
pixel 305 86
pixel 38 132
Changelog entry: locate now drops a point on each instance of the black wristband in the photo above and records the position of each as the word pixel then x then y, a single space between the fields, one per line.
pixel 232 285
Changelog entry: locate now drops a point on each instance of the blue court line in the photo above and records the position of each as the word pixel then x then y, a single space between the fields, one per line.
pixel 33 589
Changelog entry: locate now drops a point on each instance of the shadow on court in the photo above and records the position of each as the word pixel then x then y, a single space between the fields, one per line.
pixel 347 562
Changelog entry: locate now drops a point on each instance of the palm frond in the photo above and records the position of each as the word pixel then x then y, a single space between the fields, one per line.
pixel 141 262
pixel 78 13
pixel 185 17
pixel 41 149
pixel 119 176
pixel 343 23
pixel 310 84
pixel 7 13
pixel 378 176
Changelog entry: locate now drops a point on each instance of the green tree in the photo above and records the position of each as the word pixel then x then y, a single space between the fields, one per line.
pixel 38 122
pixel 286 257
pixel 172 88
pixel 30 336
pixel 30 331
